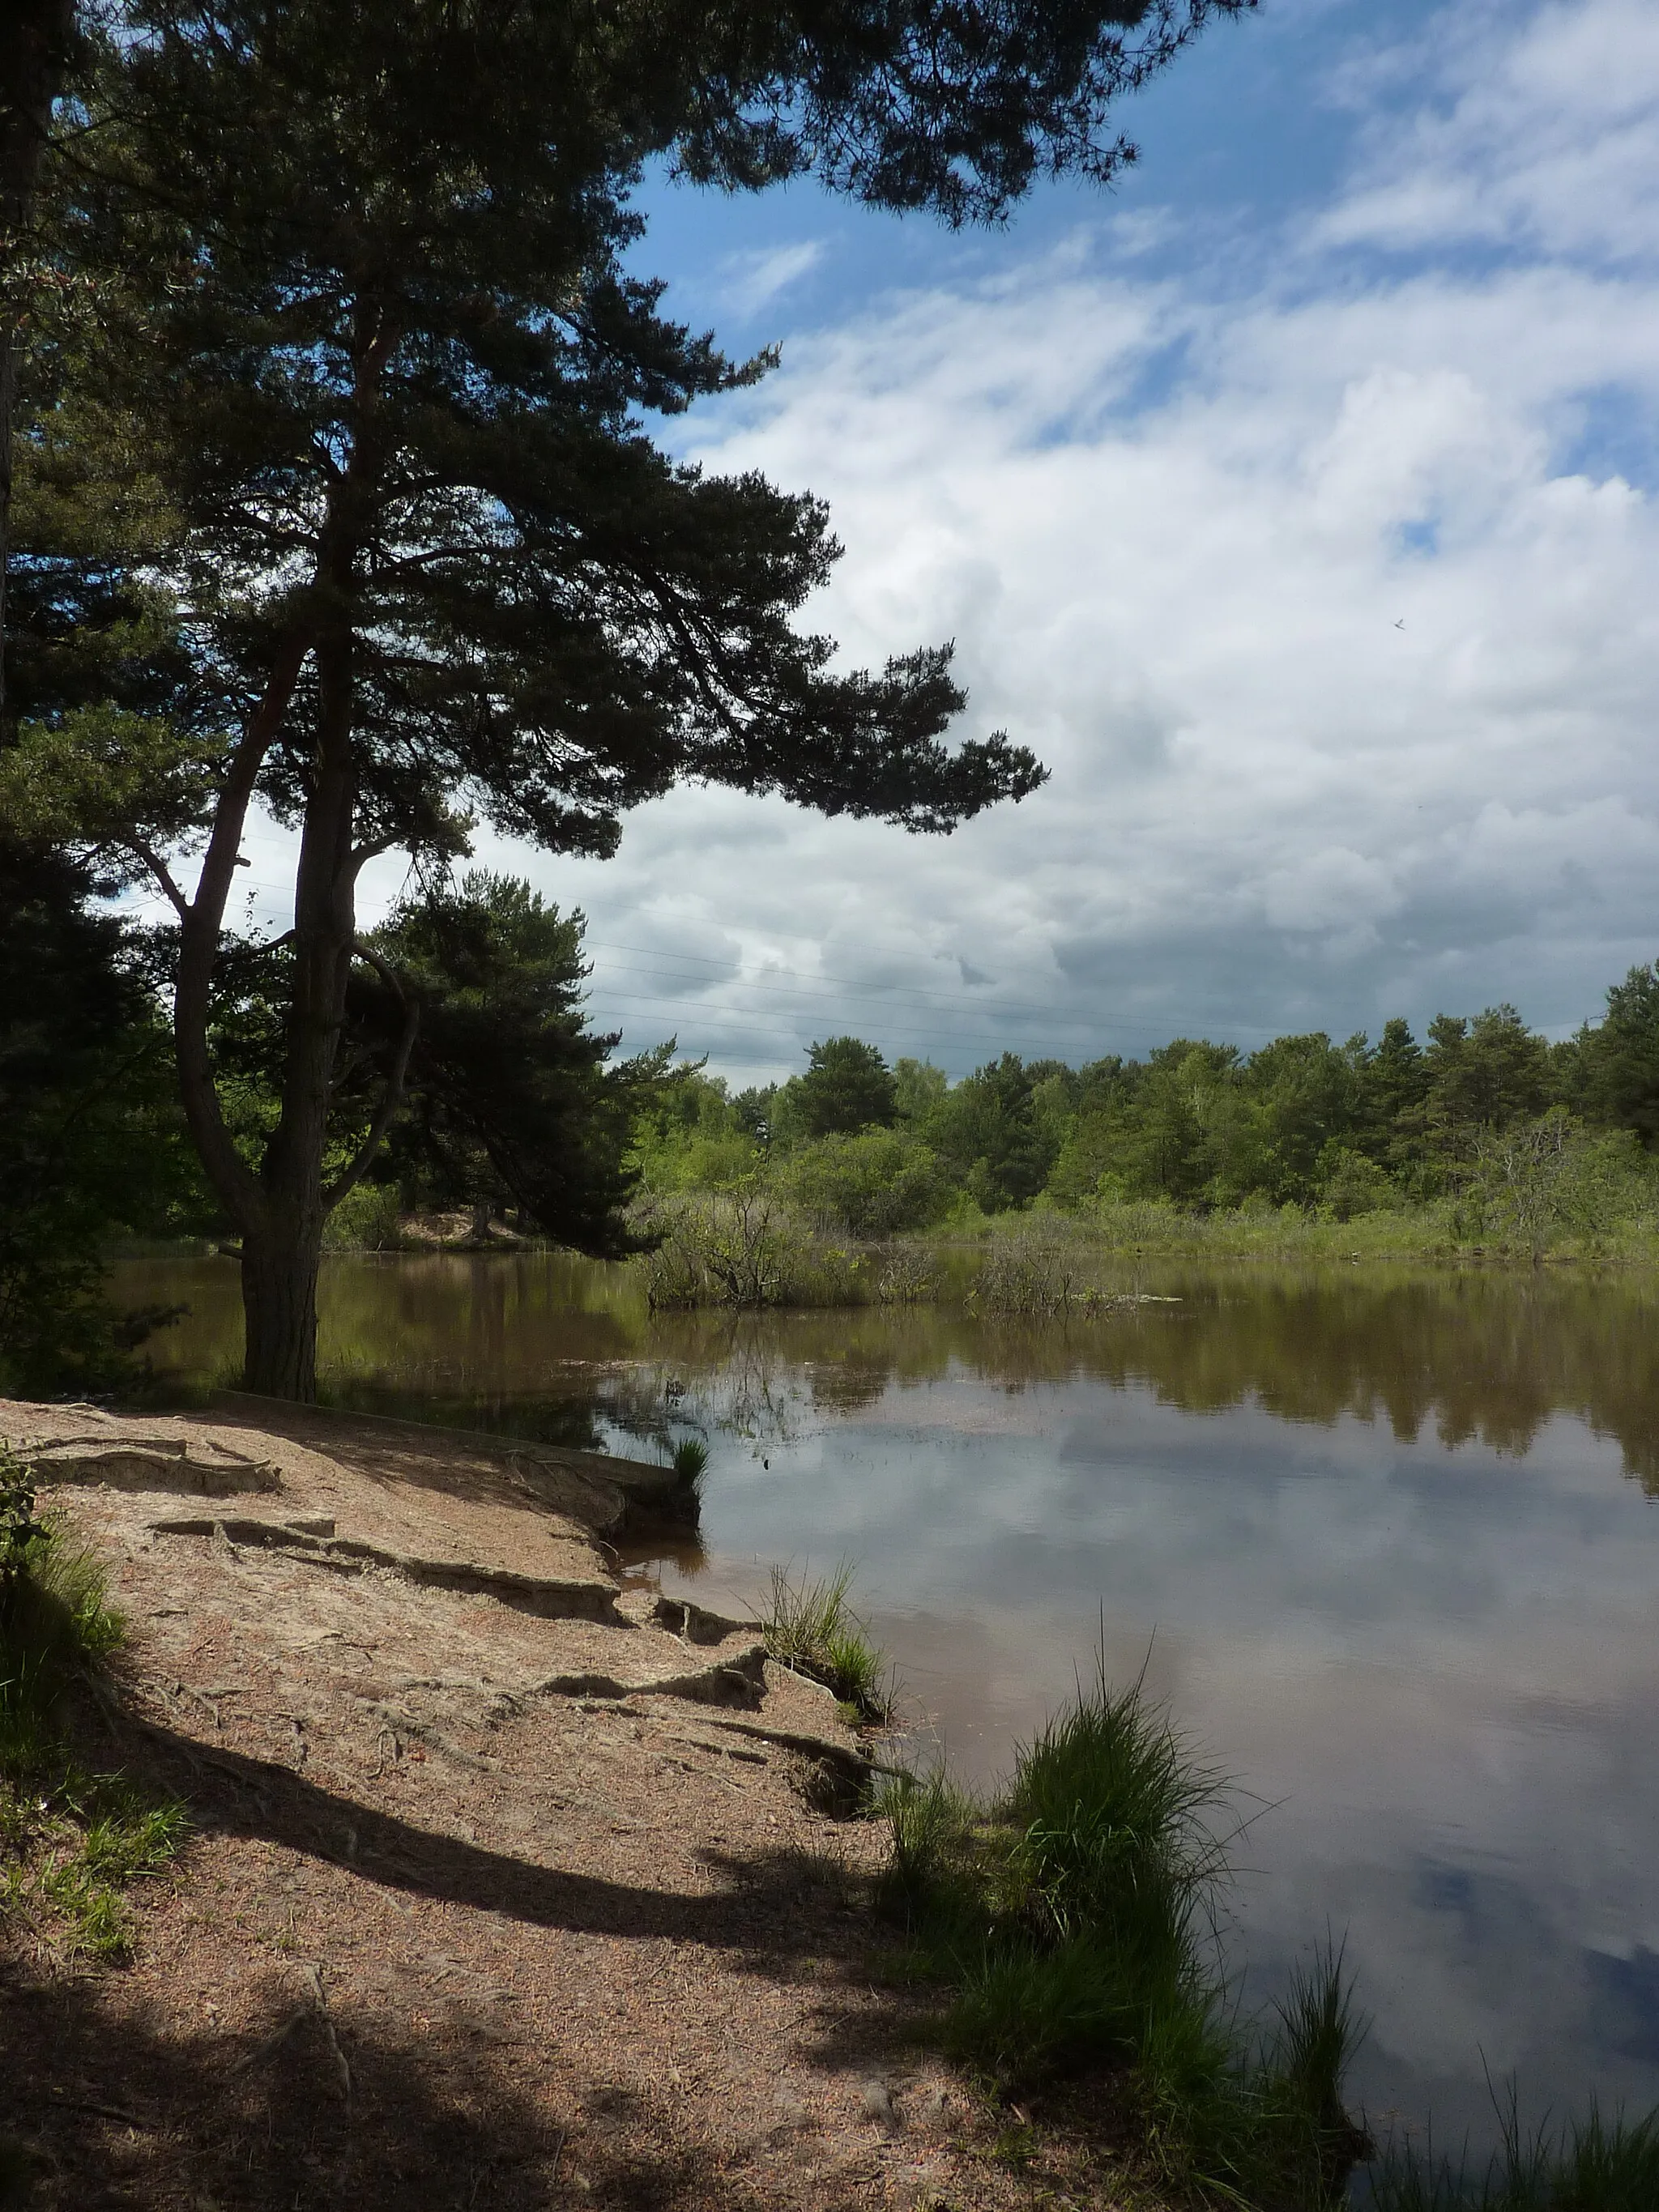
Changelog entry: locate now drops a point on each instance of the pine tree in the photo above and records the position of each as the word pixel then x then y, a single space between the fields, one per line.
pixel 36 38
pixel 365 321
pixel 509 1099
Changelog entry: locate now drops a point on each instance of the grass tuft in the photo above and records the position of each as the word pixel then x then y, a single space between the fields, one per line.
pixel 1591 2165
pixel 690 1460
pixel 810 1626
pixel 1071 1918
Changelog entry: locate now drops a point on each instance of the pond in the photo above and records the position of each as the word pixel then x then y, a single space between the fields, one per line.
pixel 1386 1541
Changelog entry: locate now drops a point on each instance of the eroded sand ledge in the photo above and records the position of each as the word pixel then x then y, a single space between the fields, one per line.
pixel 512 1884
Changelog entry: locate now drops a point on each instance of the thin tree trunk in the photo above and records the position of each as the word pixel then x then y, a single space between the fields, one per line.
pixel 35 37
pixel 280 1264
pixel 282 1238
pixel 201 921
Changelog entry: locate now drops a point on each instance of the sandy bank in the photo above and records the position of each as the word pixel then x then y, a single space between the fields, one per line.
pixel 511 1884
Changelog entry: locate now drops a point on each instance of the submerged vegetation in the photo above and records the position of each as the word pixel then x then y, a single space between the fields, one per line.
pixel 1071 1920
pixel 72 1842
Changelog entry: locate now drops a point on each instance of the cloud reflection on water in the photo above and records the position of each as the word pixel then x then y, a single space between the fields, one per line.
pixel 1389 1537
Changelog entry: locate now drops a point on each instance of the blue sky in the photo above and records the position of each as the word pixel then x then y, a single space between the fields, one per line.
pixel 1296 500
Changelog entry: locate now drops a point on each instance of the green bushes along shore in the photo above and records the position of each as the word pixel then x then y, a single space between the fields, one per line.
pixel 852 1182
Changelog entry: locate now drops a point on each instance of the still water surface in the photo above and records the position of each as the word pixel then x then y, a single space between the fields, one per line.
pixel 1392 1539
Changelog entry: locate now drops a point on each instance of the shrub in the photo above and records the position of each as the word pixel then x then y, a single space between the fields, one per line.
pixel 366 1220
pixel 874 1184
pixel 1350 1184
pixel 907 1278
pixel 743 1247
pixel 1035 1273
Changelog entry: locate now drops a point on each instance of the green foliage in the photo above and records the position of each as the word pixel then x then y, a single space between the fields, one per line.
pixel 811 1627
pixel 873 1184
pixel 21 1532
pixel 1482 1075
pixel 1613 1070
pixel 688 1135
pixel 918 1087
pixel 739 1246
pixel 848 1086
pixel 1527 1186
pixel 366 1220
pixel 1070 1918
pixel 507 1099
pixel 508 1095
pixel 74 1841
pixel 92 1143
pixel 1350 1183
pixel 1489 1138
pixel 57 1622
pixel 989 1136
pixel 369 341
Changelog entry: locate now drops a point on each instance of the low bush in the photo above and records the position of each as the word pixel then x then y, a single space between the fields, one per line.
pixel 908 1277
pixel 743 1247
pixel 1072 1918
pixel 1036 1272
pixel 366 1220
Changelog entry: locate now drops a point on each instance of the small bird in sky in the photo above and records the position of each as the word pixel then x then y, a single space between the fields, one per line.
pixel 1400 624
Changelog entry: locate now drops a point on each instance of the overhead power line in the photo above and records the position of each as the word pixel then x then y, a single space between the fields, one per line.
pixel 800 992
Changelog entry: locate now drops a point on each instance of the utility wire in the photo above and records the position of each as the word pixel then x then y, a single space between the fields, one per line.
pixel 842 990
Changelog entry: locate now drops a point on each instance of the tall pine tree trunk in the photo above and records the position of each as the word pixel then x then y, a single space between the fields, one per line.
pixel 279 1306
pixel 34 45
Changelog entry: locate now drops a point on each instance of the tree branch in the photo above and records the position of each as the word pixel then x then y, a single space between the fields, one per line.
pixel 392 1096
pixel 202 918
pixel 163 875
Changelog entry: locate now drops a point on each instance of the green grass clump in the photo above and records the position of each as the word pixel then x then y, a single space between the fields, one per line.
pixel 70 1842
pixel 690 1460
pixel 1591 2164
pixel 810 1626
pixel 1072 1919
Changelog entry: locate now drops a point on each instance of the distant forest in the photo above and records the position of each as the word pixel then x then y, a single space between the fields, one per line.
pixel 1346 1128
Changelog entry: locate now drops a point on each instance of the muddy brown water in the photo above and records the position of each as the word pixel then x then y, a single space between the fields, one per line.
pixel 1388 1542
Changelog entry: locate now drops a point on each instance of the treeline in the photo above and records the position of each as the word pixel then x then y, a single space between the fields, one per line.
pixel 1344 1129
pixel 509 1103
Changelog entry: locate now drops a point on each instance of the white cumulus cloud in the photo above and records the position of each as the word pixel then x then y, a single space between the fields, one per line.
pixel 1337 630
